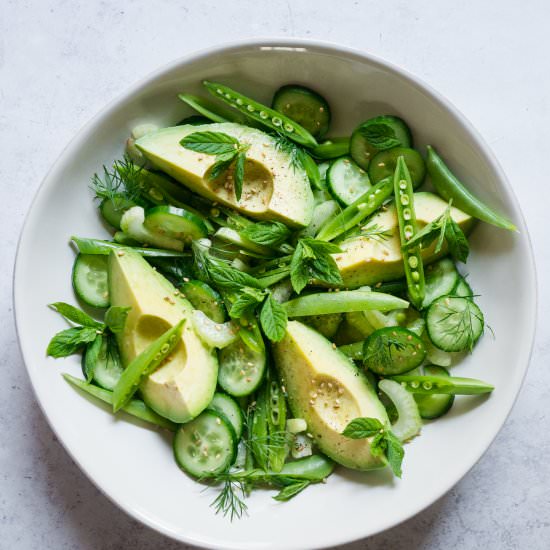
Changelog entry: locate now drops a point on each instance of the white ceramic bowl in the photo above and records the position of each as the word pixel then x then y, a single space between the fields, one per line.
pixel 134 466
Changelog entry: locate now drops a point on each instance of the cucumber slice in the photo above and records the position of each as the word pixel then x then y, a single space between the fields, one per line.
pixel 321 214
pixel 393 350
pixel 176 223
pixel 229 235
pixel 376 134
pixel 332 148
pixel 107 366
pixel 204 298
pixel 441 278
pixel 304 106
pixel 434 406
pixel 206 446
pixel 228 407
pixel 323 169
pixel 454 323
pixel 90 279
pixel 113 209
pixel 462 289
pixel 383 165
pixel 347 181
pixel 241 368
pixel 408 422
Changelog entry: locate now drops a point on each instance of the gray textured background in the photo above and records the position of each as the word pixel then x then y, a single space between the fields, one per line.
pixel 61 61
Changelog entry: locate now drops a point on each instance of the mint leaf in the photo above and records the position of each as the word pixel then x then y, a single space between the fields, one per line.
pixel 380 135
pixel 378 444
pixel 324 268
pixel 231 278
pixel 246 302
pixel 286 493
pixel 457 242
pixel 76 315
pixel 321 247
pixel 70 341
pixel 273 319
pixel 360 428
pixel 91 356
pixel 394 453
pixel 238 175
pixel 211 143
pixel 219 167
pixel 115 318
pixel 267 233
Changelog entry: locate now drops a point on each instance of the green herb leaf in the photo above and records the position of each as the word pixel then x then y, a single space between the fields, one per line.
pixel 231 278
pixel 273 319
pixel 378 444
pixel 267 233
pixel 238 175
pixel 210 143
pixel 219 167
pixel 286 493
pixel 457 242
pixel 360 428
pixel 380 135
pixel 394 453
pixel 70 341
pixel 115 318
pixel 246 302
pixel 91 356
pixel 76 315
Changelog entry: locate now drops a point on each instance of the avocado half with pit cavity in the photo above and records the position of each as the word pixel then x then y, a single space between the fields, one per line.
pixel 274 187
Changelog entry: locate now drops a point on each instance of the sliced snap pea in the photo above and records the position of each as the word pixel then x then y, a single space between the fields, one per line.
pixel 433 385
pixel 342 302
pixel 412 258
pixel 332 148
pixel 356 212
pixel 264 115
pixel 134 407
pixel 207 109
pixel 276 420
pixel 97 246
pixel 449 187
pixel 144 364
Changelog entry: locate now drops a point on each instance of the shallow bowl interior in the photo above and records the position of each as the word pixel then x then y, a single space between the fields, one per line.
pixel 134 467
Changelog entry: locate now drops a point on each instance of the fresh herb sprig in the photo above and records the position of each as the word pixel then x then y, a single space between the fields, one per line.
pixel 227 149
pixel 384 443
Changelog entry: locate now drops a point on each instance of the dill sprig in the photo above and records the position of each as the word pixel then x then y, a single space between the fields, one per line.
pixel 460 323
pixel 375 232
pixel 230 501
pixel 284 145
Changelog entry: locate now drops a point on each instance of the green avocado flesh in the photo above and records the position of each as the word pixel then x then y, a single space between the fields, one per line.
pixel 367 261
pixel 184 384
pixel 327 390
pixel 274 188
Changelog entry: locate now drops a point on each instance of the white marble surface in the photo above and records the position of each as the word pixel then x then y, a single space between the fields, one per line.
pixel 61 61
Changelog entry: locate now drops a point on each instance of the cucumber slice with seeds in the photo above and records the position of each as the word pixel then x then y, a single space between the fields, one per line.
pixel 228 407
pixel 206 446
pixel 434 406
pixel 175 223
pixel 347 181
pixel 90 279
pixel 107 367
pixel 441 278
pixel 304 106
pixel 462 289
pixel 241 368
pixel 383 165
pixel 205 298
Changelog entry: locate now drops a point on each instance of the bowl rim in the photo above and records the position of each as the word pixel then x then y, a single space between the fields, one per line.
pixel 286 43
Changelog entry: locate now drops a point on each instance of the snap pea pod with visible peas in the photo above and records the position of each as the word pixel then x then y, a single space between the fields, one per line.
pixel 97 246
pixel 449 187
pixel 412 258
pixel 450 385
pixel 264 115
pixel 144 364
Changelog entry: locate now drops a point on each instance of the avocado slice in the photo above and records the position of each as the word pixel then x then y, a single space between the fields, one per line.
pixel 185 383
pixel 367 261
pixel 327 390
pixel 274 187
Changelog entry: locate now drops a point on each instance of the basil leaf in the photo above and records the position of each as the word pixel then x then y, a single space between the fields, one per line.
pixel 238 175
pixel 70 341
pixel 273 319
pixel 380 135
pixel 115 318
pixel 457 242
pixel 360 428
pixel 286 493
pixel 231 278
pixel 91 355
pixel 211 143
pixel 394 453
pixel 267 233
pixel 75 315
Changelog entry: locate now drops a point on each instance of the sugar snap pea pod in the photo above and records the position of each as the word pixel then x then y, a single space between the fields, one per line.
pixel 433 385
pixel 332 148
pixel 311 168
pixel 134 407
pixel 342 302
pixel 97 246
pixel 449 187
pixel 259 440
pixel 412 258
pixel 276 420
pixel 356 212
pixel 207 109
pixel 144 364
pixel 264 115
